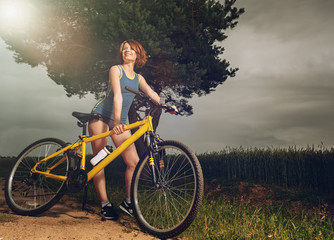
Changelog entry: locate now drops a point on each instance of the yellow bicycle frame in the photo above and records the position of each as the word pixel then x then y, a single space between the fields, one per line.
pixel 145 126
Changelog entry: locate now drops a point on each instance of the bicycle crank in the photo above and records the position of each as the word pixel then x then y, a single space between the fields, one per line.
pixel 76 180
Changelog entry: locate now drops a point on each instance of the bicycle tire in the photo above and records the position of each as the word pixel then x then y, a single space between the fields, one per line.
pixel 168 209
pixel 31 194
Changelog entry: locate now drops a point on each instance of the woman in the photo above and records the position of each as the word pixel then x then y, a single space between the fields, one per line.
pixel 114 110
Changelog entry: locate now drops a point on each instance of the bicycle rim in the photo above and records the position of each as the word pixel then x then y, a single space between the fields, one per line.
pixel 168 209
pixel 31 194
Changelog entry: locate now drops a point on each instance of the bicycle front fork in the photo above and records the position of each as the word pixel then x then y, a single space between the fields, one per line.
pixel 152 143
pixel 152 164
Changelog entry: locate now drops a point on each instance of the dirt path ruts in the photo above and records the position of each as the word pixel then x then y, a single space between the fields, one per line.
pixel 67 221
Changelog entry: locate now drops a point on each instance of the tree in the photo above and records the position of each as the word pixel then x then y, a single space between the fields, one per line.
pixel 77 42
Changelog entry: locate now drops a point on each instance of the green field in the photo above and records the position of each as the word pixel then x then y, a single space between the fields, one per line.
pixel 254 193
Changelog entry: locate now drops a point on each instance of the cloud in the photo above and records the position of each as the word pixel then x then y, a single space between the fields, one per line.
pixel 288 19
pixel 282 94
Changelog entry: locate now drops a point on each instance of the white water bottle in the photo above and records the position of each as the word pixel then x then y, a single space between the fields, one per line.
pixel 101 155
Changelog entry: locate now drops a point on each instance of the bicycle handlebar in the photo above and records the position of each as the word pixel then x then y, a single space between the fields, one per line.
pixel 136 92
pixel 143 95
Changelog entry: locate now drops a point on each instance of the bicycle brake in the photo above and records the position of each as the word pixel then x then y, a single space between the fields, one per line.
pixel 154 145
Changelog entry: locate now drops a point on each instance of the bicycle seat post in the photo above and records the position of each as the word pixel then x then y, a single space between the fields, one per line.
pixel 84 119
pixel 83 125
pixel 84 129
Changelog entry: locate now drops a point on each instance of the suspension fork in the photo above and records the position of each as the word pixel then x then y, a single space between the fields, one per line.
pixel 152 164
pixel 152 141
pixel 152 145
pixel 150 155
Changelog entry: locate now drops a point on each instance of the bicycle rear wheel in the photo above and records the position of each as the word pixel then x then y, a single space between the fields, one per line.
pixel 31 194
pixel 168 208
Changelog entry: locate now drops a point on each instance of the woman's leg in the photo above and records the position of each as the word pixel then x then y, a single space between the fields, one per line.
pixel 96 127
pixel 130 158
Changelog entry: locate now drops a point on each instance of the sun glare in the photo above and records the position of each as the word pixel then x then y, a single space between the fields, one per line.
pixel 12 14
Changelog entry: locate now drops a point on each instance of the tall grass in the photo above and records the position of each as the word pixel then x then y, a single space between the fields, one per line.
pixel 227 214
pixel 305 168
pixel 229 219
pixel 5 165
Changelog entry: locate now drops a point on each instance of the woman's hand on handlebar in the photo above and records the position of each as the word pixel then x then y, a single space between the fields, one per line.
pixel 171 109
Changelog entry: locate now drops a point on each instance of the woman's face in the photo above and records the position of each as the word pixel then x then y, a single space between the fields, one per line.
pixel 128 54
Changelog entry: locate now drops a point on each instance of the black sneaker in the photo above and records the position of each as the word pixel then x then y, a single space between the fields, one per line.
pixel 108 212
pixel 126 208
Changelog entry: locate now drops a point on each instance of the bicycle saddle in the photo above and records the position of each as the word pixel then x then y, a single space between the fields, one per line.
pixel 85 117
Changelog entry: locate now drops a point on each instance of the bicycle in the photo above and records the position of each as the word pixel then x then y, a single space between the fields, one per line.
pixel 166 188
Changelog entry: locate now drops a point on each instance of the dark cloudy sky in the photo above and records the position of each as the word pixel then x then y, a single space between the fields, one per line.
pixel 282 95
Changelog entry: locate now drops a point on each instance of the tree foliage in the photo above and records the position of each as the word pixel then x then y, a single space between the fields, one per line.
pixel 78 40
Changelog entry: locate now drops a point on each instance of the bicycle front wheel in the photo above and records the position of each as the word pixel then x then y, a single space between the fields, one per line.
pixel 167 208
pixel 29 193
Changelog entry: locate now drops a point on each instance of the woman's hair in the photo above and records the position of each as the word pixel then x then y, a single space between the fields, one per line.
pixel 140 52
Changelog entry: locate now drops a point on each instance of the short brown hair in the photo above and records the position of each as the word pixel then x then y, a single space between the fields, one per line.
pixel 140 52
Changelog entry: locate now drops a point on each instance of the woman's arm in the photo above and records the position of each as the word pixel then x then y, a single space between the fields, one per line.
pixel 114 78
pixel 147 89
pixel 152 94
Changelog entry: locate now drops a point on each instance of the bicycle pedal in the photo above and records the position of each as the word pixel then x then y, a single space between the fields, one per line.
pixel 88 209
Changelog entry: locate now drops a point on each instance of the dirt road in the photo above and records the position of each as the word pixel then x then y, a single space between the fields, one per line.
pixel 67 221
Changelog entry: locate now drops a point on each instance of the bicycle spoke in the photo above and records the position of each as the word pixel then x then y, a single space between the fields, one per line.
pixel 163 209
pixel 32 193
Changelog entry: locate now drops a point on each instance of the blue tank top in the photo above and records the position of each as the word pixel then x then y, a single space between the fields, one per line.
pixel 105 107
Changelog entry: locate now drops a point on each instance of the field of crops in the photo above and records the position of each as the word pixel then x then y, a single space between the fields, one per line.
pixel 253 193
pixel 304 168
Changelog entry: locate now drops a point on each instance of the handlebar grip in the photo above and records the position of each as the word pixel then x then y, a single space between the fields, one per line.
pixel 171 110
pixel 167 108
